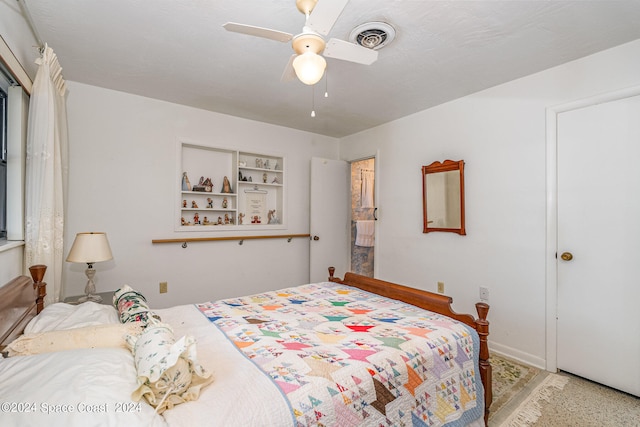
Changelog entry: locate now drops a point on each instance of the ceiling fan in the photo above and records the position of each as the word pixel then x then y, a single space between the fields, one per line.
pixel 307 63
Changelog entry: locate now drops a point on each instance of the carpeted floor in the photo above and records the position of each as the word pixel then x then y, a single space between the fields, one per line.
pixel 526 396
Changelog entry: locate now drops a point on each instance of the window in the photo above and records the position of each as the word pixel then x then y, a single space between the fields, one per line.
pixel 3 164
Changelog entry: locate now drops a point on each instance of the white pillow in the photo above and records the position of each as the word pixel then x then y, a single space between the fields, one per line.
pixel 88 387
pixel 60 316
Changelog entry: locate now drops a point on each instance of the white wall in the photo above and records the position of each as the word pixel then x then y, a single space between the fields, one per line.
pixel 122 177
pixel 500 134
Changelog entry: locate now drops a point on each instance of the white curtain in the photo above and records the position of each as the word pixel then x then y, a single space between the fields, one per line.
pixel 46 172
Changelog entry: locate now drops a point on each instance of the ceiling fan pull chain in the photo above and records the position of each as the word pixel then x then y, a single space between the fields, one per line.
pixel 313 104
pixel 326 83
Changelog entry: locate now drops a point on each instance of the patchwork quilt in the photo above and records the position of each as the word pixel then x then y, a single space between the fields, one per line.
pixel 345 357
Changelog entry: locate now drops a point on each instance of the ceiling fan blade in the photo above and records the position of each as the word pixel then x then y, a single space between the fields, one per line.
pixel 258 32
pixel 347 51
pixel 325 14
pixel 289 73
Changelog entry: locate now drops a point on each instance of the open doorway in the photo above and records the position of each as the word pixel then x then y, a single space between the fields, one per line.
pixel 363 216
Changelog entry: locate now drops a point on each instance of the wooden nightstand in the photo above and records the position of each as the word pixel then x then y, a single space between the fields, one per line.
pixel 107 298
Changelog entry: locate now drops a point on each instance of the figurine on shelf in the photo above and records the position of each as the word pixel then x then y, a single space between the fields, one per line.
pixel 259 163
pixel 255 219
pixel 264 177
pixel 208 185
pixel 184 203
pixel 186 185
pixel 194 205
pixel 226 218
pixel 209 203
pixel 220 220
pixel 273 219
pixel 277 166
pixel 226 185
pixel 276 180
pixel 196 218
pixel 205 221
pixel 183 221
pixel 240 218
pixel 266 164
pixel 224 203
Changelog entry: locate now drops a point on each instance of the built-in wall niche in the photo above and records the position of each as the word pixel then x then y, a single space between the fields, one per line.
pixel 223 189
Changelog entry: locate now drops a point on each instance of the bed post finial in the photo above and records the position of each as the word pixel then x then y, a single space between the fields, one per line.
pixel 482 326
pixel 37 274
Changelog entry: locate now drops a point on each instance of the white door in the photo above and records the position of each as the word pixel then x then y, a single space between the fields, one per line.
pixel 598 326
pixel 329 218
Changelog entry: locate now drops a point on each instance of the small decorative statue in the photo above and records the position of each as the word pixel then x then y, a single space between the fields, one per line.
pixel 186 185
pixel 209 202
pixel 208 185
pixel 219 220
pixel 266 164
pixel 272 218
pixel 183 221
pixel 224 203
pixel 226 218
pixel 275 180
pixel 255 219
pixel 264 177
pixel 226 185
pixel 205 221
pixel 194 205
pixel 184 203
pixel 240 218
pixel 277 166
pixel 196 218
pixel 259 163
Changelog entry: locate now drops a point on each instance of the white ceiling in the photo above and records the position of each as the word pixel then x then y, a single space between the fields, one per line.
pixel 177 50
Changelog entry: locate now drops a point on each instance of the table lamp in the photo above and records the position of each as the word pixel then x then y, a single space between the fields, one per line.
pixel 90 248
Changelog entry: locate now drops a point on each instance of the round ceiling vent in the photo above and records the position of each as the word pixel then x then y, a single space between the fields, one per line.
pixel 373 35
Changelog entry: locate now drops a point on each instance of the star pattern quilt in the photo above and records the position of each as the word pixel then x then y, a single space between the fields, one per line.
pixel 345 357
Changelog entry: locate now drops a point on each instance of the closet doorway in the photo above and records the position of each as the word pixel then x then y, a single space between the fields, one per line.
pixel 363 216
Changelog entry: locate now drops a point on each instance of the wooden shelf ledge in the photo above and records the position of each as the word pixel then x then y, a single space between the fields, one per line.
pixel 241 239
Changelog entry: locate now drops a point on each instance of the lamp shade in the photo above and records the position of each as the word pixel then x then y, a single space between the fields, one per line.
pixel 309 67
pixel 89 248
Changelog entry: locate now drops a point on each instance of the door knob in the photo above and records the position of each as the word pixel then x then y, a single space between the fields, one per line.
pixel 566 256
pixel 316 238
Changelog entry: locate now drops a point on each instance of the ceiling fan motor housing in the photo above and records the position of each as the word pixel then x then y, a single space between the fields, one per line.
pixel 308 42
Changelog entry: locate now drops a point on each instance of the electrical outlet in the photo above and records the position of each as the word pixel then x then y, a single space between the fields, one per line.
pixel 163 287
pixel 441 287
pixel 484 293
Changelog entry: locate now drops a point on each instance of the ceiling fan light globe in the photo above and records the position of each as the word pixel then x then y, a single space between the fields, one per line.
pixel 309 67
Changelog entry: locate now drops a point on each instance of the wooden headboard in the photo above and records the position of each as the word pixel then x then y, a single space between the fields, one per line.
pixel 20 301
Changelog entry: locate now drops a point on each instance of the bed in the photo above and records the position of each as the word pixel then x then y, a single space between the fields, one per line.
pixel 389 369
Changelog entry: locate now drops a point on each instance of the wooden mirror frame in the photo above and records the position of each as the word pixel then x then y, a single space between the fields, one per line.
pixel 437 167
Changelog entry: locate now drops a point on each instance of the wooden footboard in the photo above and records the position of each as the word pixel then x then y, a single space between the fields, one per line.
pixel 437 303
pixel 20 301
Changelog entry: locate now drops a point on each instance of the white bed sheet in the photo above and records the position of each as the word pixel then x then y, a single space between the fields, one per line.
pixel 75 388
pixel 240 395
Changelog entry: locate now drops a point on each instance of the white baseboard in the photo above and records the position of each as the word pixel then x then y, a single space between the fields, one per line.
pixel 517 355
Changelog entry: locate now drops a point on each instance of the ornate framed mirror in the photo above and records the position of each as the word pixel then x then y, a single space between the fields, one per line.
pixel 443 197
